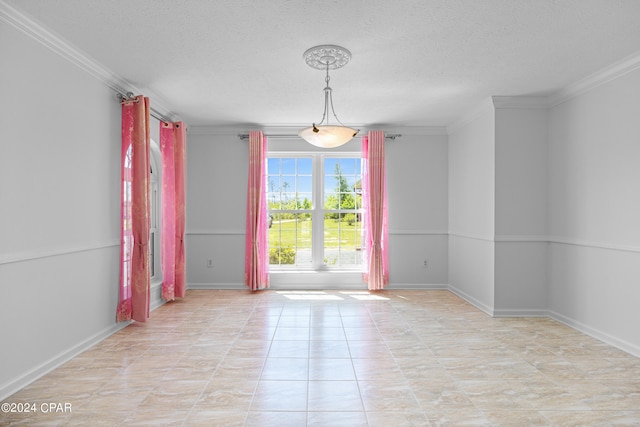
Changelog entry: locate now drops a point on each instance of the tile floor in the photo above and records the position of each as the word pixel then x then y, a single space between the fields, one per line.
pixel 330 358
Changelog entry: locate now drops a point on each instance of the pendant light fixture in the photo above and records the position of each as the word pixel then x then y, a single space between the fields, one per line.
pixel 323 134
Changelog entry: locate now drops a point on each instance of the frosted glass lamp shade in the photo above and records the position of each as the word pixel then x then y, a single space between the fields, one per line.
pixel 327 136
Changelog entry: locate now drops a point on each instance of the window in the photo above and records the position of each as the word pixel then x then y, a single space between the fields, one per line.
pixel 127 219
pixel 342 212
pixel 315 211
pixel 153 223
pixel 154 210
pixel 154 220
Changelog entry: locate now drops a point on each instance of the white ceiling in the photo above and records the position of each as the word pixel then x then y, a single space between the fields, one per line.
pixel 415 62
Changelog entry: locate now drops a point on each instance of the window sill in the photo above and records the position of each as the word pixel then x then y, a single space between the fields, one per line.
pixel 312 279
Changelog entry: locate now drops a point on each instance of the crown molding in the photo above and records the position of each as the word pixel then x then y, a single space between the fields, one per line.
pixel 524 102
pixel 484 107
pixel 56 44
pixel 408 130
pixel 244 128
pixel 80 59
pixel 294 129
pixel 605 75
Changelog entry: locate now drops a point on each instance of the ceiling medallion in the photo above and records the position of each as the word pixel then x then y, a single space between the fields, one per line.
pixel 319 56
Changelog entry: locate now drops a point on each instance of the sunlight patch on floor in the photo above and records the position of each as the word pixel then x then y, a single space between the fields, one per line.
pixel 324 296
pixel 364 296
pixel 309 295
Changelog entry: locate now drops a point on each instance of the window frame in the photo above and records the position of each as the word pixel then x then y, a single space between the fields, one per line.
pixel 155 213
pixel 317 211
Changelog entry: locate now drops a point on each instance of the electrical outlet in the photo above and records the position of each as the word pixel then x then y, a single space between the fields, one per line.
pixel 209 263
pixel 425 263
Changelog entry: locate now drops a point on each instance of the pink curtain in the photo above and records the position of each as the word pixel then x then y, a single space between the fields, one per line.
pixel 173 149
pixel 374 199
pixel 135 277
pixel 181 219
pixel 256 273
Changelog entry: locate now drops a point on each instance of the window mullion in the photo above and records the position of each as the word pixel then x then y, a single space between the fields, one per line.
pixel 318 216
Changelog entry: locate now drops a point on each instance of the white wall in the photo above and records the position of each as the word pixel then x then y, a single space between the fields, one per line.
pixel 520 208
pixel 471 207
pixel 498 207
pixel 216 200
pixel 59 192
pixel 594 211
pixel 417 177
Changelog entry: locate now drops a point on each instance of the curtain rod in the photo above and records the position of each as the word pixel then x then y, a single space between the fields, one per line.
pixel 244 136
pixel 152 112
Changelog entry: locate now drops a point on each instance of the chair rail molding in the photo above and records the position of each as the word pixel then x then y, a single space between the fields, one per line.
pixel 56 251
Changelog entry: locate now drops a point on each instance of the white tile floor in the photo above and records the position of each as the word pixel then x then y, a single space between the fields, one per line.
pixel 329 358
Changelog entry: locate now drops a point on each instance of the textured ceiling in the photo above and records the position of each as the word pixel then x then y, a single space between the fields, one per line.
pixel 415 62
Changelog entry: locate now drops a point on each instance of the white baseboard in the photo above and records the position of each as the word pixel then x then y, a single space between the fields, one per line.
pixel 493 312
pixel 597 334
pixel 320 286
pixel 297 286
pixel 518 312
pixel 417 286
pixel 216 285
pixel 471 300
pixel 13 386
